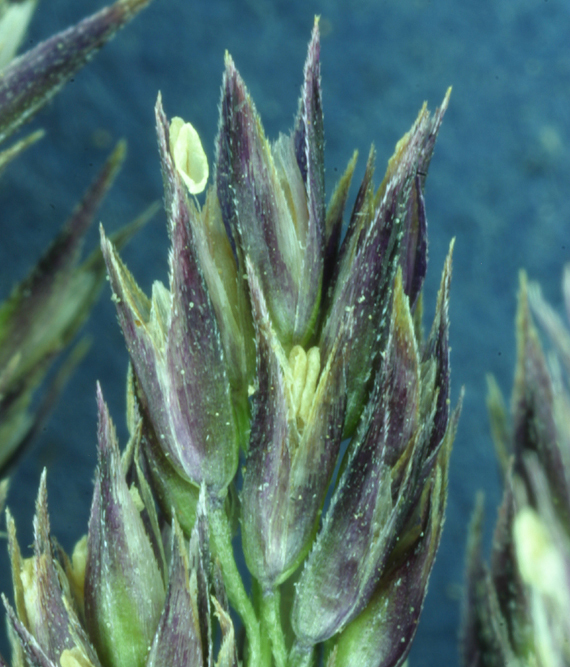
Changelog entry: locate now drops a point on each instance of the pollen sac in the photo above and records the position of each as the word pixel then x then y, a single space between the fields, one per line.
pixel 188 155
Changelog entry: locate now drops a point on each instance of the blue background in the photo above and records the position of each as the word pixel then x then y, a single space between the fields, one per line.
pixel 498 182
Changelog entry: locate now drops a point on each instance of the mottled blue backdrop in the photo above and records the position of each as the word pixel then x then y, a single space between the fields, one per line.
pixel 498 183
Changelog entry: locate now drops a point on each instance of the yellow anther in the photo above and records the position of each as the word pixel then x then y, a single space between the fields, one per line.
pixel 74 658
pixel 298 366
pixel 313 370
pixel 305 368
pixel 539 561
pixel 189 157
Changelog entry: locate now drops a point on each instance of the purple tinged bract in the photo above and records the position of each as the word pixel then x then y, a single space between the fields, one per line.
pixel 176 349
pixel 390 464
pixel 272 199
pixel 124 589
pixel 298 415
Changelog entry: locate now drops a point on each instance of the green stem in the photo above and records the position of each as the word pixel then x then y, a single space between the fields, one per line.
pixel 221 542
pixel 271 619
pixel 257 596
pixel 301 656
